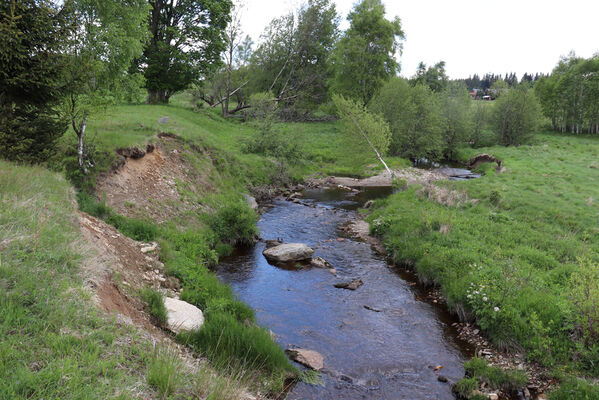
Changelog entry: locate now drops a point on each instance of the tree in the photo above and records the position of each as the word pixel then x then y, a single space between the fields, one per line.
pixel 434 76
pixel 186 40
pixel 363 128
pixel 292 59
pixel 364 58
pixel 232 40
pixel 516 115
pixel 33 35
pixel 414 116
pixel 457 123
pixel 109 35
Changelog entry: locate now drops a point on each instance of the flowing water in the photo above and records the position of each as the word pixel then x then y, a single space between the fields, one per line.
pixel 389 354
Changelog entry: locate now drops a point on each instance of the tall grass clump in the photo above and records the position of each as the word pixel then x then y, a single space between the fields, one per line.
pixel 164 371
pixel 155 302
pixel 226 341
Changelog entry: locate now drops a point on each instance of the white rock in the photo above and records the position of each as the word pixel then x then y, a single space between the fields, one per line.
pixel 182 315
pixel 309 358
pixel 288 252
pixel 149 248
pixel 251 201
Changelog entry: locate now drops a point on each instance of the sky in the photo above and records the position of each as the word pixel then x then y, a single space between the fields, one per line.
pixel 472 36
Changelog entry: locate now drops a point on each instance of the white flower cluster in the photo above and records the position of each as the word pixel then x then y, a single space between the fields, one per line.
pixel 477 294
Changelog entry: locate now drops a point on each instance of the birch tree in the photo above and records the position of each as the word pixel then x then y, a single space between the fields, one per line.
pixel 367 130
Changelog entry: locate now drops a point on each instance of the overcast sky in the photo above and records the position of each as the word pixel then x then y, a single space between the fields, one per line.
pixel 472 36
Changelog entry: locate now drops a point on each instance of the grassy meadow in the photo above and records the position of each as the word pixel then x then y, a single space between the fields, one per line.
pixel 517 251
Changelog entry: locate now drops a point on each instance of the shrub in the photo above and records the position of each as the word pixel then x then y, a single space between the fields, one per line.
pixel 516 116
pixel 465 386
pixel 234 224
pixel 156 304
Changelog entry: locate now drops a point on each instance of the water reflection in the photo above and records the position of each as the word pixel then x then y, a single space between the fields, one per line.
pixel 374 355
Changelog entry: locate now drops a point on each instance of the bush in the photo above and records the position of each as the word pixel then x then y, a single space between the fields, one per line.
pixel 414 117
pixel 234 224
pixel 156 304
pixel 575 389
pixel 465 386
pixel 516 116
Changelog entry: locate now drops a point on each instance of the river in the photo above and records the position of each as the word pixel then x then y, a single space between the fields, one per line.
pixel 390 354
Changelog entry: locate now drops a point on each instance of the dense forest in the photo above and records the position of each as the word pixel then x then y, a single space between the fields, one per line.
pixel 84 84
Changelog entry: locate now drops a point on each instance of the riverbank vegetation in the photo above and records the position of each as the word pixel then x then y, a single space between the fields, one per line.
pixel 514 251
pixel 518 254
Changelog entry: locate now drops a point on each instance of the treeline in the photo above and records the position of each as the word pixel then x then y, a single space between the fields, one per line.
pixel 570 95
pixel 302 58
pixel 486 82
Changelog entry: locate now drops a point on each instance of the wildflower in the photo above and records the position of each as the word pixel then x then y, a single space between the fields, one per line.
pixel 496 309
pixel 484 299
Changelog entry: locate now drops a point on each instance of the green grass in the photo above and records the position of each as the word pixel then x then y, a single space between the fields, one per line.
pixel 507 380
pixel 155 302
pixel 522 259
pixel 53 342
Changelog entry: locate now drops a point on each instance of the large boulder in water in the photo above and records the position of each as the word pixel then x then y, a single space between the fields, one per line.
pixel 182 315
pixel 288 252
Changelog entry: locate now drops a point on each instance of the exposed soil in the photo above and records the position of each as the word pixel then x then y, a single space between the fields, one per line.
pixel 121 270
pixel 146 184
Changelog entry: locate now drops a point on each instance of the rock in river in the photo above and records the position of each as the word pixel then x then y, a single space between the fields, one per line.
pixel 320 262
pixel 182 315
pixel 353 285
pixel 288 252
pixel 309 358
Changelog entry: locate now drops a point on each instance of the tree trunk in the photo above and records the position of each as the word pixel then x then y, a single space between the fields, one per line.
pixel 157 96
pixel 81 143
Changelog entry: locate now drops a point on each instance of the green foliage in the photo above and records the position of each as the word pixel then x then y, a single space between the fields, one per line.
pixel 585 297
pixel 414 117
pixel 269 140
pixel 511 261
pixel 155 302
pixel 49 328
pixel 575 389
pixel 186 40
pixel 164 371
pixel 569 96
pixel 482 134
pixel 434 76
pixel 455 109
pixel 465 386
pixel 364 130
pixel 234 224
pixel 32 34
pixel 495 377
pixel 134 228
pixel 226 341
pixel 292 58
pixel 365 55
pixel 516 116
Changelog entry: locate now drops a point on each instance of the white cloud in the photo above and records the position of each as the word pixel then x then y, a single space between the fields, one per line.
pixel 473 36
